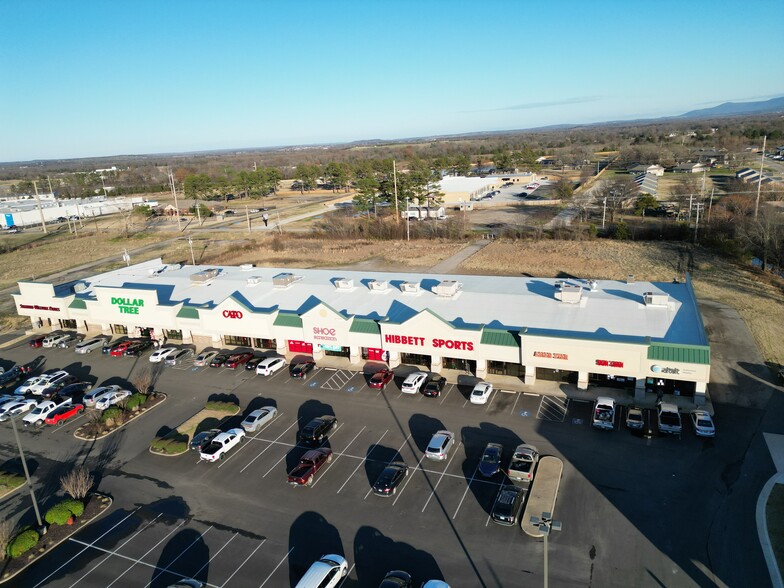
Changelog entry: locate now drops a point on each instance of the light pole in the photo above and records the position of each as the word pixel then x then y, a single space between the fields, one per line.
pixel 604 211
pixel 546 524
pixel 408 222
pixel 41 527
pixel 190 244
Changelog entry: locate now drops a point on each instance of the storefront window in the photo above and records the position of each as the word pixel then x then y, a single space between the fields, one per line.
pixel 265 343
pixel 415 359
pixel 556 375
pixel 612 381
pixel 67 323
pixel 119 329
pixel 171 334
pixel 465 365
pixel 236 341
pixel 336 351
pixel 503 368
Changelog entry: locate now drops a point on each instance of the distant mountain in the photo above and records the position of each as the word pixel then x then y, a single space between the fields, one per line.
pixel 731 108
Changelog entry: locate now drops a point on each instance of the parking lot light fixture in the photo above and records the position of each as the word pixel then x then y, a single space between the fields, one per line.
pixel 546 524
pixel 41 526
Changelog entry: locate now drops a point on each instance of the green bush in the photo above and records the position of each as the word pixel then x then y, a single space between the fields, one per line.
pixel 23 542
pixel 10 481
pixel 222 406
pixel 76 507
pixel 135 400
pixel 57 515
pixel 170 445
pixel 113 412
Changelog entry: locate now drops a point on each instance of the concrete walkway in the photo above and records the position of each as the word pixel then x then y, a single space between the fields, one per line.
pixel 451 264
pixel 544 491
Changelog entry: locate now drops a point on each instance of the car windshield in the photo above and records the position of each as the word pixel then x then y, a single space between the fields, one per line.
pixel 490 456
pixel 704 423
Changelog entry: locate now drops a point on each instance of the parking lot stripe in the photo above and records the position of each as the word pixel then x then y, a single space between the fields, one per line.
pixel 268 446
pixel 338 456
pixel 399 449
pixel 466 492
pixel 447 393
pixel 348 573
pixel 433 491
pixel 199 538
pixel 133 512
pixel 149 550
pixel 206 563
pixel 245 444
pixel 123 544
pixel 280 563
pixel 331 435
pixel 487 522
pixel 263 541
pixel 492 397
pixel 359 465
pixel 403 489
pixel 515 403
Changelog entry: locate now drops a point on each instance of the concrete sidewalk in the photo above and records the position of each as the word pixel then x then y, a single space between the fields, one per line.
pixel 543 493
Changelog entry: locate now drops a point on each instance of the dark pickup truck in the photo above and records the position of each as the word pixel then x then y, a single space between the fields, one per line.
pixel 309 464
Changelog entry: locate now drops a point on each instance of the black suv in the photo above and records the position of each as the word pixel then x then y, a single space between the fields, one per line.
pixel 434 387
pixel 316 430
pixel 75 391
pixel 55 388
pixel 506 510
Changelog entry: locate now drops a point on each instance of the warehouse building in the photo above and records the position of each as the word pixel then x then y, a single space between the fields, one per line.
pixel 644 335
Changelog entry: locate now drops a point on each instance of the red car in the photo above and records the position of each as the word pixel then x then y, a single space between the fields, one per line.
pixel 237 359
pixel 37 342
pixel 62 414
pixel 119 349
pixel 381 379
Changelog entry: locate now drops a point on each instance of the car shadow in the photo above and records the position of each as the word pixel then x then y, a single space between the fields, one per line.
pixel 376 459
pixel 186 555
pixel 422 428
pixel 257 403
pixel 79 370
pixel 375 554
pixel 474 440
pixel 466 383
pixel 311 536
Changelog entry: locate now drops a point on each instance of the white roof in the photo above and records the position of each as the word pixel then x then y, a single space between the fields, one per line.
pixel 464 184
pixel 614 311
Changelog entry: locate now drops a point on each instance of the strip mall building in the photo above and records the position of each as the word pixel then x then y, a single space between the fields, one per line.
pixel 642 335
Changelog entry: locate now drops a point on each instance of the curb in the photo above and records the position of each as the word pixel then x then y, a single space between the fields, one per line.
pixel 157 404
pixel 762 530
pixel 64 539
pixel 12 491
pixel 525 521
pixel 167 454
pixel 13 342
pixel 185 421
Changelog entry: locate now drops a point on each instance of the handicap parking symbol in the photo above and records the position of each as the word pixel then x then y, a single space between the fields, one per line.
pixel 525 413
pixel 350 389
pixel 313 384
pixel 577 421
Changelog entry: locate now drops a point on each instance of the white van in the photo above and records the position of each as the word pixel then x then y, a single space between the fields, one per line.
pixel 325 573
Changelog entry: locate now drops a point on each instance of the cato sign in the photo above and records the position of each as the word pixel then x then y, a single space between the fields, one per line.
pixel 232 314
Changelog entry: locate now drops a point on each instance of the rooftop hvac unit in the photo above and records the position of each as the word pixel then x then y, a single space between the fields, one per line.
pixel 378 285
pixel 157 271
pixel 246 267
pixel 558 284
pixel 205 275
pixel 253 280
pixel 285 280
pixel 630 279
pixel 593 285
pixel 656 299
pixel 79 287
pixel 344 284
pixel 447 288
pixel 411 287
pixel 569 293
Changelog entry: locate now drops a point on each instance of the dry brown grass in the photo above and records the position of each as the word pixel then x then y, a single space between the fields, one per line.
pixel 758 298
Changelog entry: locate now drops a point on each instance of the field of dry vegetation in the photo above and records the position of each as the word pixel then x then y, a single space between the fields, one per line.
pixel 758 298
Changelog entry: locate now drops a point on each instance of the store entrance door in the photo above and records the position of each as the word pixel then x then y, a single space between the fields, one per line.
pixel 556 375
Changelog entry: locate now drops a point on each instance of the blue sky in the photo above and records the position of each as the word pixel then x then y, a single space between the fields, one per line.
pixel 82 79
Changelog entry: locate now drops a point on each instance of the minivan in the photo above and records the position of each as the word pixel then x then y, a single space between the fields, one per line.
pixel 327 572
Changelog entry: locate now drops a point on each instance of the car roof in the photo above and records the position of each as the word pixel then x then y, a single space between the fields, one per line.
pixel 605 400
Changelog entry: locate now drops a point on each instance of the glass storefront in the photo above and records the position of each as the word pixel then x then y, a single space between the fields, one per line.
pixel 119 329
pixel 503 368
pixel 556 375
pixel 660 386
pixel 415 359
pixel 172 334
pixel 67 323
pixel 464 365
pixel 612 381
pixel 265 343
pixel 336 350
pixel 236 341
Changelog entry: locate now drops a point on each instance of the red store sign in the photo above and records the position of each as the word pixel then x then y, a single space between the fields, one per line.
pixel 548 355
pixel 36 307
pixel 232 314
pixel 436 343
pixel 324 334
pixel 607 363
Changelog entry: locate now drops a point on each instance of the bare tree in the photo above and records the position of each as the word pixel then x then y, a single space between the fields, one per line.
pixel 77 483
pixel 143 380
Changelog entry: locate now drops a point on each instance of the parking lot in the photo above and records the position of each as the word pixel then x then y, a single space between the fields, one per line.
pixel 238 523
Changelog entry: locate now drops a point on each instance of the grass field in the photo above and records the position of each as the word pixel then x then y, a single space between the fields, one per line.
pixel 774 514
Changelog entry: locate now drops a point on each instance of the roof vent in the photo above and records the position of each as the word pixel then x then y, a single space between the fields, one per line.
pixel 254 280
pixel 558 284
pixel 630 279
pixel 246 267
pixel 411 287
pixel 593 285
pixel 655 299
pixel 447 288
pixel 156 271
pixel 344 284
pixel 205 275
pixel 378 285
pixel 570 294
pixel 285 280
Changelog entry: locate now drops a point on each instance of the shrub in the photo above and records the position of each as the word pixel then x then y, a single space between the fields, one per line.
pixel 57 515
pixel 77 483
pixel 23 542
pixel 135 400
pixel 75 507
pixel 221 406
pixel 9 481
pixel 170 445
pixel 113 412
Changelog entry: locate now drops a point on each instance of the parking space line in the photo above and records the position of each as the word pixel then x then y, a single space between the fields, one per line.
pixel 399 449
pixel 245 442
pixel 466 400
pixel 329 438
pixel 487 522
pixel 338 456
pixel 206 563
pixel 149 550
pixel 515 403
pixel 359 465
pixel 493 396
pixel 348 573
pixel 133 512
pixel 263 541
pixel 268 446
pixel 199 538
pixel 466 492
pixel 403 489
pixel 280 563
pixel 447 393
pixel 433 491
pixel 123 544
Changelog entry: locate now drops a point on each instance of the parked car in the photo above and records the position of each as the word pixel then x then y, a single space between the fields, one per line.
pixel 119 349
pixel 635 419
pixel 434 387
pixel 604 413
pixel 37 342
pixel 258 418
pixel 219 359
pixel 439 446
pixel 54 340
pixel 301 369
pixel 237 360
pixel 67 340
pixel 253 362
pixel 28 385
pixel 481 393
pixel 204 358
pixel 13 375
pixel 179 357
pixel 508 503
pixel 669 419
pixel 316 431
pixel 111 398
pixel 16 407
pixel 56 385
pixel 523 464
pixel 310 463
pixel 201 440
pixel 38 415
pixel 390 478
pixel 270 365
pixel 138 347
pixel 59 415
pixel 435 584
pixel 380 379
pixel 413 382
pixel 75 391
pixel 51 380
pixel 161 354
pixel 221 444
pixel 703 423
pixel 490 464
pixel 90 345
pixel 397 579
pixel 90 398
pixel 327 572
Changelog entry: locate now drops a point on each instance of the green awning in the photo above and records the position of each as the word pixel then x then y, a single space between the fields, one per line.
pixel 500 337
pixel 78 303
pixel 360 325
pixel 188 312
pixel 286 319
pixel 679 353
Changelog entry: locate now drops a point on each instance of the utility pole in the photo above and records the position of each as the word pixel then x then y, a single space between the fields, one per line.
pixel 190 244
pixel 697 223
pixel 41 211
pixel 759 182
pixel 50 185
pixel 710 204
pixel 408 222
pixel 198 212
pixel 394 182
pixel 691 196
pixel 604 211
pixel 247 217
pixel 174 192
pixel 41 527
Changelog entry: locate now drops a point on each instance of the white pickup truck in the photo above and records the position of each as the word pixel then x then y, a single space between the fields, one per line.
pixel 221 445
pixel 604 413
pixel 669 419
